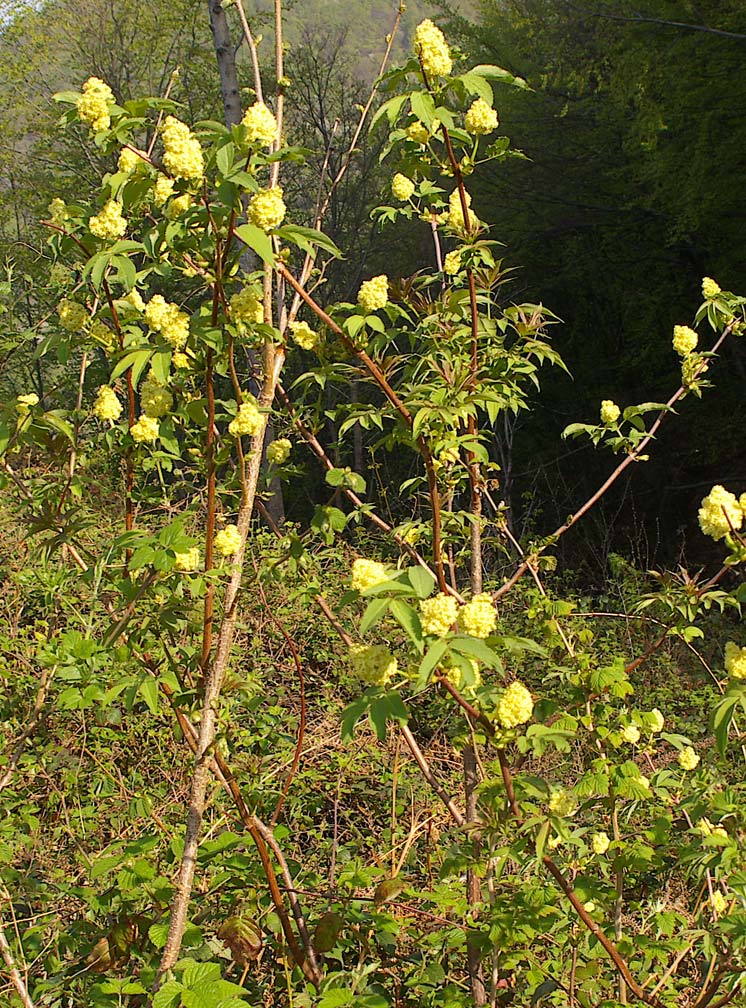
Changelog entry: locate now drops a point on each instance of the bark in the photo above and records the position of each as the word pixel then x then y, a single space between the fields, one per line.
pixel 225 54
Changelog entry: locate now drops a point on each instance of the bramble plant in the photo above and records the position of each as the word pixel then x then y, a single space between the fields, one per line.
pixel 596 857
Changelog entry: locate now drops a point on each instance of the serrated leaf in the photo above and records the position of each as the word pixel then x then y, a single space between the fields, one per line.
pixel 408 620
pixel 497 73
pixel 423 107
pixel 423 581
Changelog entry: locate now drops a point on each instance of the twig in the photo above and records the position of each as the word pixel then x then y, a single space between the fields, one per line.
pixel 12 970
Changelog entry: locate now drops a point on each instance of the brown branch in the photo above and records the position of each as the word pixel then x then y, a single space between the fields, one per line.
pixel 12 970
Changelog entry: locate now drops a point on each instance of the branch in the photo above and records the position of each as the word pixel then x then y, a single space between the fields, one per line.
pixel 12 970
pixel 638 18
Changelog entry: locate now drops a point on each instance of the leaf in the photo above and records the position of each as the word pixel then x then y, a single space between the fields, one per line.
pixel 423 107
pixel 476 84
pixel 433 655
pixel 409 621
pixel 497 73
pixel 475 648
pixel 149 692
pixel 423 581
pixel 135 359
pixel 169 995
pixel 306 238
pixel 375 611
pixel 390 109
pixel 57 423
pixel 351 715
pixel 225 157
pixel 257 240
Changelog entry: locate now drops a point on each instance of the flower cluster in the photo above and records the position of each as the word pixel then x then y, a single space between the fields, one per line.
pixel 178 206
pixel 402 187
pixel 267 209
pixel 418 132
pixel 109 222
pixel 600 843
pixel 155 399
pixel 456 212
pixel 134 300
pixel 304 335
pixel 438 614
pixel 25 402
pixel 687 758
pixel 248 421
pixel 735 660
pixel 685 340
pixel 246 306
pixel 72 315
pixel 719 512
pixel 188 561
pixel 515 706
pixel 478 618
pixel 719 902
pixel 182 154
pixel 107 406
pixel 707 829
pixel 691 368
pixel 366 574
pixel 631 734
pixel 101 334
pixel 227 541
pixel 260 124
pixel 455 676
pixel 452 264
pixel 163 189
pixel 709 288
pixel 128 161
pixel 93 104
pixel 432 50
pixel 610 412
pixel 57 212
pixel 278 451
pixel 480 118
pixel 146 429
pixel 373 664
pixel 373 293
pixel 166 318
pixel 563 803
pixel 656 720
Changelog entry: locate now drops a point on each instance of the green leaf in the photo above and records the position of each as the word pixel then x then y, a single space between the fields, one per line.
pixel 473 647
pixel 225 157
pixel 257 240
pixel 375 611
pixel 423 581
pixel 169 995
pixel 476 84
pixel 135 359
pixel 149 692
pixel 423 107
pixel 409 621
pixel 306 238
pixel 433 656
pixel 390 109
pixel 497 73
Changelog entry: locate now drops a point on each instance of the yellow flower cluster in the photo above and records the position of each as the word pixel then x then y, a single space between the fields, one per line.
pixel 563 803
pixel 515 706
pixel 418 132
pixel 108 223
pixel 178 206
pixel 102 335
pixel 166 318
pixel 93 104
pixel 720 510
pixel 182 153
pixel 480 118
pixel 162 190
pixel 180 360
pixel 456 212
pixel 719 902
pixel 246 306
pixel 692 367
pixel 374 293
pixel 134 300
pixel 631 734
pixel 735 660
pixel 260 124
pixel 278 451
pixel 656 720
pixel 107 406
pixel 57 211
pixel 188 561
pixel 455 676
pixel 438 614
pixel 452 264
pixel 684 340
pixel 128 161
pixel 432 49
pixel 373 664
pixel 610 412
pixel 304 335
pixel 72 315
pixel 478 618
pixel 155 398
pixel 146 429
pixel 707 829
pixel 709 288
pixel 248 421
pixel 267 209
pixel 227 541
pixel 402 187
pixel 600 843
pixel 366 574
pixel 687 758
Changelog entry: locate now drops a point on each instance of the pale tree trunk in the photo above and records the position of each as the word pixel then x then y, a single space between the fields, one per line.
pixel 225 53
